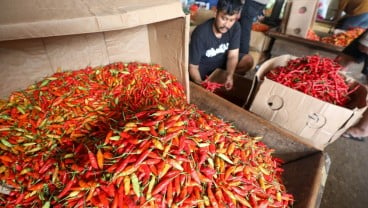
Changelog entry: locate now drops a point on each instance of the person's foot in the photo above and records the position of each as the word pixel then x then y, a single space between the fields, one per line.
pixel 356 138
pixel 355 133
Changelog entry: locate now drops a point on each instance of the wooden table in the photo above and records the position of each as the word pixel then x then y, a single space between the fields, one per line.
pixel 287 44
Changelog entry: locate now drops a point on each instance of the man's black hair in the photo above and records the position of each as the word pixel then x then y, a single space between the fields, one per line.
pixel 230 7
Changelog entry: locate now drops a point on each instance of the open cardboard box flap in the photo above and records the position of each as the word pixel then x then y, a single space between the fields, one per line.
pixel 319 123
pixel 38 37
pixel 43 18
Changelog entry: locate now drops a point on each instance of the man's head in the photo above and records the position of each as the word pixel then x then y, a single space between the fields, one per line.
pixel 227 14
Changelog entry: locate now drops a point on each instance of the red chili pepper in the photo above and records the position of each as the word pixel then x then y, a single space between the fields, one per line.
pixel 124 162
pixel 211 86
pixel 19 198
pixel 46 166
pixel 211 197
pixel 67 188
pixel 161 185
pixel 100 159
pixel 142 157
pixel 36 187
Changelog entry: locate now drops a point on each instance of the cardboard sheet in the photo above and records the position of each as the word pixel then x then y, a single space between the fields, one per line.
pixel 301 17
pixel 39 37
pixel 259 41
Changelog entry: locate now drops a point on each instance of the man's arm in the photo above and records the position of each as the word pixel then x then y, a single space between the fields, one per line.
pixel 194 73
pixel 340 9
pixel 232 62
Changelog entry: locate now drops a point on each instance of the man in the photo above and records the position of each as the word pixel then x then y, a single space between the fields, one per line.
pixel 215 44
pixel 356 14
pixel 251 9
pixel 357 51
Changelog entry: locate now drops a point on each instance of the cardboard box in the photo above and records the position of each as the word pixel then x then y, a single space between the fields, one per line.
pixel 305 168
pixel 301 17
pixel 241 87
pixel 38 37
pixel 319 123
pixel 259 41
pixel 201 16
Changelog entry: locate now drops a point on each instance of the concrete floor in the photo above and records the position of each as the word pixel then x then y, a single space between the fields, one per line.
pixel 347 181
pixel 347 184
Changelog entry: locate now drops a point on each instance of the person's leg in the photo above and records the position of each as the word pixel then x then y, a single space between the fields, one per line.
pixel 365 69
pixel 353 21
pixel 249 11
pixel 363 20
pixel 360 130
pixel 245 64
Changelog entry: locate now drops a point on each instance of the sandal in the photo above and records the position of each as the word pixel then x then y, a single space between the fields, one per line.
pixel 350 136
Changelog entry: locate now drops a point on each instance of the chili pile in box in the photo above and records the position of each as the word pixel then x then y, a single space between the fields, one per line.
pixel 308 96
pixel 123 135
pixel 316 76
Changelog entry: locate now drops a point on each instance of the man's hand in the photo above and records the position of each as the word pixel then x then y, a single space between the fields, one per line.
pixel 197 81
pixel 229 82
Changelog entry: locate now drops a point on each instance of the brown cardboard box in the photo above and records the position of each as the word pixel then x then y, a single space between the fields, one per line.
pixel 259 41
pixel 37 37
pixel 240 91
pixel 301 17
pixel 319 123
pixel 201 16
pixel 305 168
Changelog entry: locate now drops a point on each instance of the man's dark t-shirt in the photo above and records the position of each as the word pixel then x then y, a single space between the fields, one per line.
pixel 210 52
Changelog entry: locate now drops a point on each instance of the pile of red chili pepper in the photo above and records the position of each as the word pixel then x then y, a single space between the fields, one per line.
pixel 260 27
pixel 211 86
pixel 311 35
pixel 343 39
pixel 123 135
pixel 315 76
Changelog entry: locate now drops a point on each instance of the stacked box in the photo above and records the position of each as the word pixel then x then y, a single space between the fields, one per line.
pixel 301 17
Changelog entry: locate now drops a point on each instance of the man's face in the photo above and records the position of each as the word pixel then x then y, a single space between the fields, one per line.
pixel 224 22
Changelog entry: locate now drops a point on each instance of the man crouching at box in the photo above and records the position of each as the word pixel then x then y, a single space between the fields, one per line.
pixel 215 44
